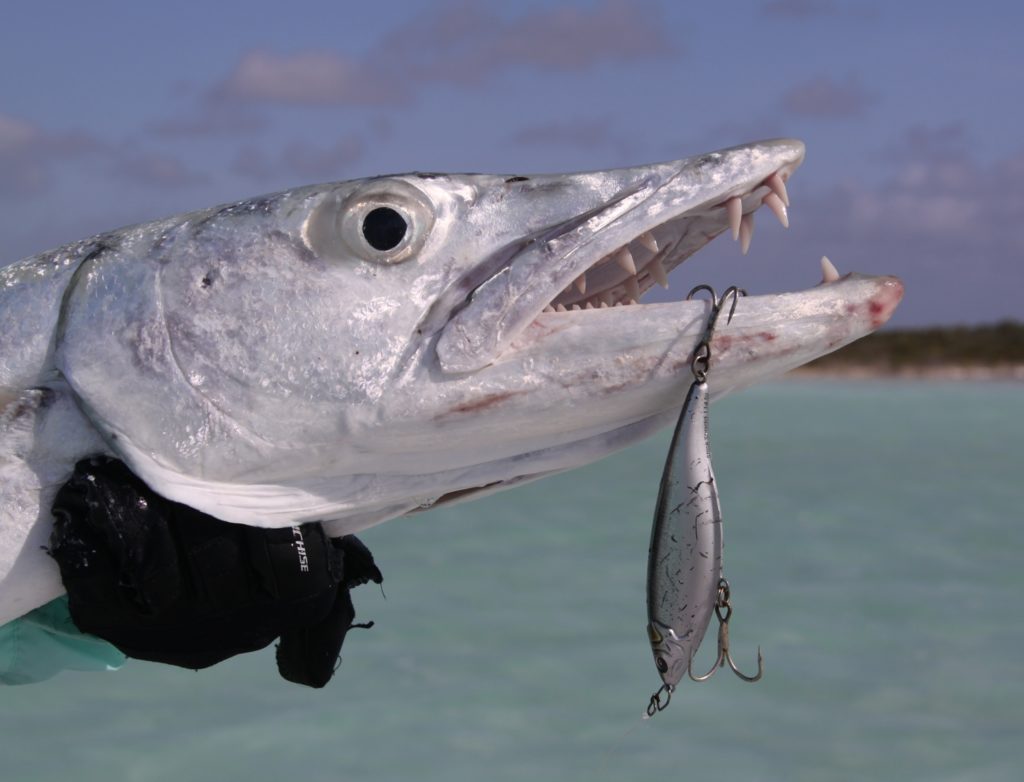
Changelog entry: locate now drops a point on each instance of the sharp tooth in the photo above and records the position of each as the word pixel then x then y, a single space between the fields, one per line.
pixel 559 308
pixel 575 307
pixel 657 272
pixel 624 258
pixel 734 208
pixel 589 306
pixel 647 240
pixel 608 297
pixel 581 283
pixel 746 232
pixel 633 288
pixel 548 308
pixel 604 305
pixel 828 271
pixel 778 187
pixel 773 202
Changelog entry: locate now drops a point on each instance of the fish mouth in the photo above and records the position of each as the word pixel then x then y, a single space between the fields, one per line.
pixel 567 314
pixel 613 255
pixel 624 275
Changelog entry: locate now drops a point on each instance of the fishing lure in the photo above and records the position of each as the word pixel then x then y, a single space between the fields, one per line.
pixel 684 566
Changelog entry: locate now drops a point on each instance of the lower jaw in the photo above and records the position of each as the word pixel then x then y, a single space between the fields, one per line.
pixel 791 330
pixel 559 458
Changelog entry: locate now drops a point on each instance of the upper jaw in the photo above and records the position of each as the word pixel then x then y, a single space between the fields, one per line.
pixel 656 217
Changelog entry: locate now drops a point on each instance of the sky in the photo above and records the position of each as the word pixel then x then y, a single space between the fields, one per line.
pixel 113 113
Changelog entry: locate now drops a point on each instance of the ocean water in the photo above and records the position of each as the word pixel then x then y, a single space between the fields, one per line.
pixel 874 542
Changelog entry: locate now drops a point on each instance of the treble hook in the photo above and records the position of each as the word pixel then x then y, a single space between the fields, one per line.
pixel 702 353
pixel 723 609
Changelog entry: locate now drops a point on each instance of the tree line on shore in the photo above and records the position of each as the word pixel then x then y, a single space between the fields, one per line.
pixel 991 345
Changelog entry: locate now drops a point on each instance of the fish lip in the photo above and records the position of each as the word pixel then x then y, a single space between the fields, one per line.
pixel 546 264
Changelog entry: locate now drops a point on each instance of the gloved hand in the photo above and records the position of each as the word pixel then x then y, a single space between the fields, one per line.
pixel 164 582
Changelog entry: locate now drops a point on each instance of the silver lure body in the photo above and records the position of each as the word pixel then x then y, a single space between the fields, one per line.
pixel 685 560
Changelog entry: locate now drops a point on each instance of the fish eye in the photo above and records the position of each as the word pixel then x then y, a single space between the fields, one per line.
pixel 383 221
pixel 384 228
pixel 661 664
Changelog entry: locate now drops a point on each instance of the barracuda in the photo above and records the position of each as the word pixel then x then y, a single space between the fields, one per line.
pixel 358 351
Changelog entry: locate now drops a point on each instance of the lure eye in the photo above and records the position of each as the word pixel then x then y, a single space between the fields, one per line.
pixel 384 221
pixel 661 664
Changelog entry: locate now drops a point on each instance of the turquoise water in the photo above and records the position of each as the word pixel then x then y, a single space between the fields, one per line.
pixel 874 539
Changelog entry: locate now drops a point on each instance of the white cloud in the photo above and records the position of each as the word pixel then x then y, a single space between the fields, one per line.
pixel 16 134
pixel 315 78
pixel 299 161
pixel 576 132
pixel 28 155
pixel 826 98
pixel 453 43
pixel 155 169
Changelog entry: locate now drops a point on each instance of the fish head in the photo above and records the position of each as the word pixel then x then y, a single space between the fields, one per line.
pixel 360 350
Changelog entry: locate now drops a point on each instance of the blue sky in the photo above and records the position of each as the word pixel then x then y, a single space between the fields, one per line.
pixel 116 112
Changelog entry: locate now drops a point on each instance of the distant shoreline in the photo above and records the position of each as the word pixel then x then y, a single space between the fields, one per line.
pixel 973 353
pixel 952 372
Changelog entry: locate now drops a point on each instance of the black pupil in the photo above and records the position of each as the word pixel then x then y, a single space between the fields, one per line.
pixel 384 228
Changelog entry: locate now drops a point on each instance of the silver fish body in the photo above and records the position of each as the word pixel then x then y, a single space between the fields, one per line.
pixel 685 559
pixel 268 364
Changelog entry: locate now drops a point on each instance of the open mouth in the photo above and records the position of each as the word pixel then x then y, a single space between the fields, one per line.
pixel 648 221
pixel 583 384
pixel 622 276
pixel 631 229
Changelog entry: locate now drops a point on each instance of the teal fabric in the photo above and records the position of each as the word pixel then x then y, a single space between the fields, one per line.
pixel 45 642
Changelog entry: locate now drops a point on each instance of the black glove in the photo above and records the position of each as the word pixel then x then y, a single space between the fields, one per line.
pixel 309 655
pixel 164 582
